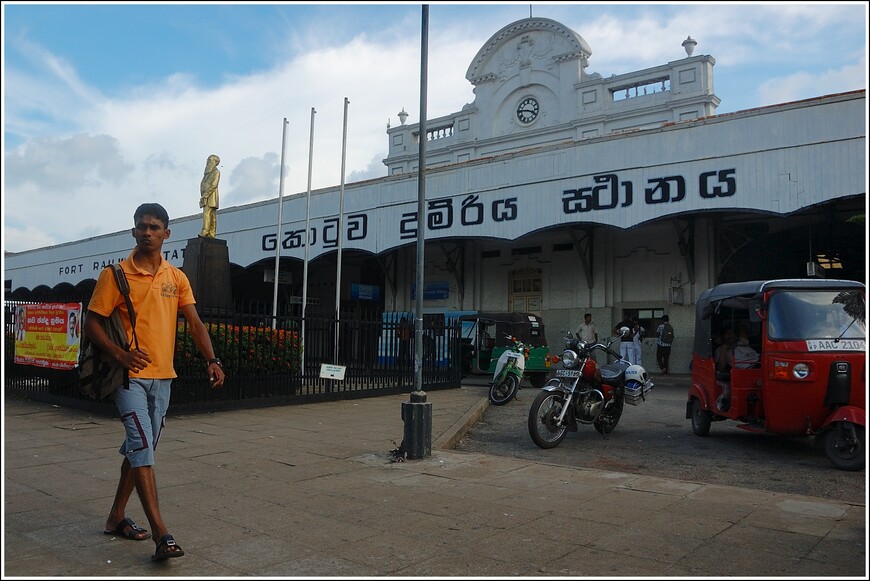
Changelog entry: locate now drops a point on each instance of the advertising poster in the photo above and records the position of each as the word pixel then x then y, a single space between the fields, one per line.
pixel 48 335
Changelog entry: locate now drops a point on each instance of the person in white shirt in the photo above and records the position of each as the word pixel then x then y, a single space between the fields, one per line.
pixel 637 335
pixel 587 330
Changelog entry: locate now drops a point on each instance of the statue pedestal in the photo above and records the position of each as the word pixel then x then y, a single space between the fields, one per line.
pixel 207 266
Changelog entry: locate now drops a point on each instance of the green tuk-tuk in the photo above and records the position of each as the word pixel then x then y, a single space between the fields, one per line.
pixel 485 336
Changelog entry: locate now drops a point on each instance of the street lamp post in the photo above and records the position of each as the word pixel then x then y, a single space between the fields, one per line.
pixel 417 413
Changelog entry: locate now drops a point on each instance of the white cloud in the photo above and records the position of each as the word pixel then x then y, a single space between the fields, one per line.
pixel 105 155
pixel 252 178
pixel 45 99
pixel 152 146
pixel 375 169
pixel 62 167
pixel 804 85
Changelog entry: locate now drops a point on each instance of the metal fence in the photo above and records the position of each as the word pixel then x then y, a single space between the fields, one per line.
pixel 264 364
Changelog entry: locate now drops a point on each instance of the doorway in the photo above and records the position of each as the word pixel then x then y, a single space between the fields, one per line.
pixel 526 291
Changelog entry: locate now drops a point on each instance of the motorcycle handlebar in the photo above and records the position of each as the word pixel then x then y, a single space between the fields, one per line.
pixel 516 341
pixel 600 347
pixel 606 349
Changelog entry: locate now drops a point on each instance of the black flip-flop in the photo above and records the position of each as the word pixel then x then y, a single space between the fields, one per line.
pixel 127 529
pixel 163 549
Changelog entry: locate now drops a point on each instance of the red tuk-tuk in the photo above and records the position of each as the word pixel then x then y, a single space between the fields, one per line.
pixel 786 357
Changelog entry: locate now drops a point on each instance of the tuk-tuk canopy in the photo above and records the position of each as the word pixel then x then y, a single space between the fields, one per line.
pixel 527 327
pixel 748 296
pixel 749 288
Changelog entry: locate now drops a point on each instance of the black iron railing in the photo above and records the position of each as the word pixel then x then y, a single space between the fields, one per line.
pixel 274 361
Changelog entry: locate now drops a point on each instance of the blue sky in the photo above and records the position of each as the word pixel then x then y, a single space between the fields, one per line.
pixel 106 106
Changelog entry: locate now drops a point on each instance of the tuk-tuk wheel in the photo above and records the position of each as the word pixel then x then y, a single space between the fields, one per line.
pixel 701 419
pixel 538 380
pixel 844 446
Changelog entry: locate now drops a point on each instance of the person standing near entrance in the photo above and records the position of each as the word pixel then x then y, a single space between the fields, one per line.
pixel 637 335
pixel 158 291
pixel 665 338
pixel 623 330
pixel 208 196
pixel 587 330
pixel 405 331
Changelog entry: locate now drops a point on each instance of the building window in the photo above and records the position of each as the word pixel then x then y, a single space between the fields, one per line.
pixel 525 251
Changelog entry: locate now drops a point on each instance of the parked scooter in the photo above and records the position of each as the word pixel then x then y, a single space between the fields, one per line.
pixel 487 334
pixel 508 372
pixel 584 393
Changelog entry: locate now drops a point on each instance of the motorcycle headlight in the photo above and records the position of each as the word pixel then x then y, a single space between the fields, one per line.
pixel 569 359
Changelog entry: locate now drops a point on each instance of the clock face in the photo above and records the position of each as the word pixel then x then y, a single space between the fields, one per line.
pixel 527 111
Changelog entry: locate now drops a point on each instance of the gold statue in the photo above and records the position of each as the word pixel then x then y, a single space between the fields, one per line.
pixel 208 196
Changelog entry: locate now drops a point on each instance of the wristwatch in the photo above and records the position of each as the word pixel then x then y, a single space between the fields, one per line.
pixel 215 360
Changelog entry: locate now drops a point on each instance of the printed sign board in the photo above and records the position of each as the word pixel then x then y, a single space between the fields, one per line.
pixel 48 335
pixel 328 371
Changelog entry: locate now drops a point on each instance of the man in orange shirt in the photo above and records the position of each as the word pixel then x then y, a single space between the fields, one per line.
pixel 158 291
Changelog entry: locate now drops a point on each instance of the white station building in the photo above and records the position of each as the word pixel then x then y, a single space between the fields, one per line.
pixel 558 192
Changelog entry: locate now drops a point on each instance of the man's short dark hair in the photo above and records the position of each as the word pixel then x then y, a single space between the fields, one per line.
pixel 587 315
pixel 665 318
pixel 152 209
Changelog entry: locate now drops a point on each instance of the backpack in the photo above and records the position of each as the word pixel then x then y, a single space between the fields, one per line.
pixel 99 374
pixel 667 334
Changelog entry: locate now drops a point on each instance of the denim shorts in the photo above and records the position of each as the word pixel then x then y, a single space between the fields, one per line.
pixel 142 408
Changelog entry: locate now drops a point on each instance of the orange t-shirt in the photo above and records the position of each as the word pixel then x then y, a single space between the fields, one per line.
pixel 156 300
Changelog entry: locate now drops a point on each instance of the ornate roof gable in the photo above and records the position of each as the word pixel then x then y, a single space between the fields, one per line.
pixel 538 43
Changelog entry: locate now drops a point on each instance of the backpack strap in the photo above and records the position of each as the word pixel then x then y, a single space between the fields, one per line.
pixel 124 288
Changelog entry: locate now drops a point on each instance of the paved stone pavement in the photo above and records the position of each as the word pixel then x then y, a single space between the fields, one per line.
pixel 310 490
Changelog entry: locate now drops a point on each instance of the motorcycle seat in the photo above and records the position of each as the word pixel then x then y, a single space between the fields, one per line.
pixel 613 371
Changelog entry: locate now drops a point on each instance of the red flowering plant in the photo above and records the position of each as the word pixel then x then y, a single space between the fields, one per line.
pixel 243 350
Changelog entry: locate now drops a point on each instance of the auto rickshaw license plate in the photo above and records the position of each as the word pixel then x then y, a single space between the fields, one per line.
pixel 567 373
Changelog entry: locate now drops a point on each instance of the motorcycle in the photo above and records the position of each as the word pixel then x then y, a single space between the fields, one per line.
pixel 582 392
pixel 508 372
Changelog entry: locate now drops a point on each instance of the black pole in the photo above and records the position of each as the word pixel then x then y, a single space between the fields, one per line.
pixel 417 414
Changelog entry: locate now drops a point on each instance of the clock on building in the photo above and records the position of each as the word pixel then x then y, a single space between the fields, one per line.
pixel 527 110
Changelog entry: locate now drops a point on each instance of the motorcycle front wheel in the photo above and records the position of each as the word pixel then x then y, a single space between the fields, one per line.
pixel 542 419
pixel 502 392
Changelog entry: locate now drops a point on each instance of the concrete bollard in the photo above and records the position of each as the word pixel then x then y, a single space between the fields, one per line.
pixel 417 415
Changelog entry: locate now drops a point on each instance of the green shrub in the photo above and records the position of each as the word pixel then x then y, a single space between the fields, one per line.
pixel 243 350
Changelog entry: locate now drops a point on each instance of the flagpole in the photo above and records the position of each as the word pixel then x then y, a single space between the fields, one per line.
pixel 278 228
pixel 340 233
pixel 307 237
